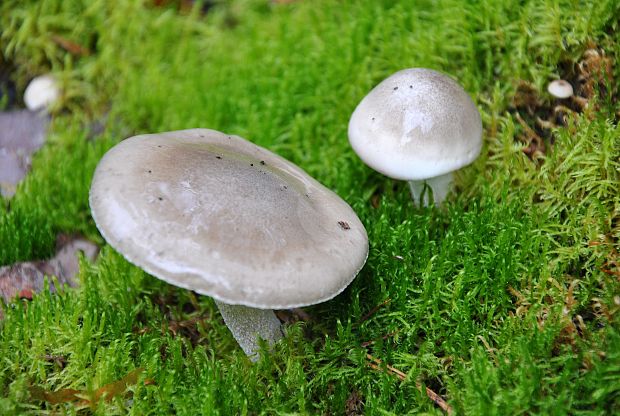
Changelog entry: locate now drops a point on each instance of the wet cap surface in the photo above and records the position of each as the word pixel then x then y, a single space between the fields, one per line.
pixel 219 215
pixel 416 124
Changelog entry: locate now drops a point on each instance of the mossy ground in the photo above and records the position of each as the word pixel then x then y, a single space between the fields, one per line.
pixel 503 301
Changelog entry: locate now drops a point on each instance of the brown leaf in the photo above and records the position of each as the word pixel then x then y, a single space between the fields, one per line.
pixel 109 391
pixel 60 396
pixel 70 46
pixel 149 382
pixel 85 398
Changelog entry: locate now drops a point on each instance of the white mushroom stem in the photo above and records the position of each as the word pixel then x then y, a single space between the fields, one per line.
pixel 248 325
pixel 437 188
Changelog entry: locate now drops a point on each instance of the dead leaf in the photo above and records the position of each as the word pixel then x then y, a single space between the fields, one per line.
pixel 70 46
pixel 109 391
pixel 149 382
pixel 60 396
pixel 86 398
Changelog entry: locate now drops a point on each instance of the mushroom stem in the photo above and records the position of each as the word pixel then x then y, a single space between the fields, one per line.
pixel 436 188
pixel 248 325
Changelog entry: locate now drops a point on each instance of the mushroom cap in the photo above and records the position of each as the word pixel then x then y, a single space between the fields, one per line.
pixel 415 125
pixel 41 92
pixel 219 215
pixel 560 88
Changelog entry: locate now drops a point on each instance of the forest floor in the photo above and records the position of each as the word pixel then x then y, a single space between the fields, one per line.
pixel 504 300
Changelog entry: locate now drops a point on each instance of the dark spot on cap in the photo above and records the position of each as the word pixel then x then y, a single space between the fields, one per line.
pixel 344 225
pixel 395 88
pixel 218 157
pixel 150 171
pixel 411 86
pixel 251 164
pixel 373 119
pixel 160 198
pixel 262 162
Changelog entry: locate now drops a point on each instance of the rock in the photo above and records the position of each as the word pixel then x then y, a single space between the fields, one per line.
pixel 22 132
pixel 25 278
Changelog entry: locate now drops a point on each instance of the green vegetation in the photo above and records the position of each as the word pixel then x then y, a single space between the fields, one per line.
pixel 504 301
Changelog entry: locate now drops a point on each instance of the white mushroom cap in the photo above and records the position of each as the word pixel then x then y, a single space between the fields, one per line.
pixel 41 93
pixel 416 124
pixel 219 215
pixel 560 88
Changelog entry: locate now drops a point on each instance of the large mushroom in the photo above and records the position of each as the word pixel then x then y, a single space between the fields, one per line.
pixel 219 215
pixel 418 125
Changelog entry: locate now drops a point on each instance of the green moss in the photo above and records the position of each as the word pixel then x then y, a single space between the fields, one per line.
pixel 503 301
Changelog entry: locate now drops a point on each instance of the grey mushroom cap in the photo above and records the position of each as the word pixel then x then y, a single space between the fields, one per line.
pixel 416 124
pixel 219 215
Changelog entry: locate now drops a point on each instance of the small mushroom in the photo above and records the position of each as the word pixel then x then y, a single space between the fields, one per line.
pixel 418 125
pixel 560 88
pixel 221 216
pixel 41 93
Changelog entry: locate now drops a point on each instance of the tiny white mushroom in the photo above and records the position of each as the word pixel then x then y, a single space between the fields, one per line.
pixel 41 93
pixel 221 216
pixel 560 88
pixel 418 125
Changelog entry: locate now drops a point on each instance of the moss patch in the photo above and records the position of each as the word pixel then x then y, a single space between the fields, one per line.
pixel 503 301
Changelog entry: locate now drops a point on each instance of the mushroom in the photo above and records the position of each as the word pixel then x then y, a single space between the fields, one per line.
pixel 218 215
pixel 418 125
pixel 560 88
pixel 41 93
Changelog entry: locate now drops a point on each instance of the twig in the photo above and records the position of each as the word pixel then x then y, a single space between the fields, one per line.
pixel 436 398
pixel 374 310
pixel 391 334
